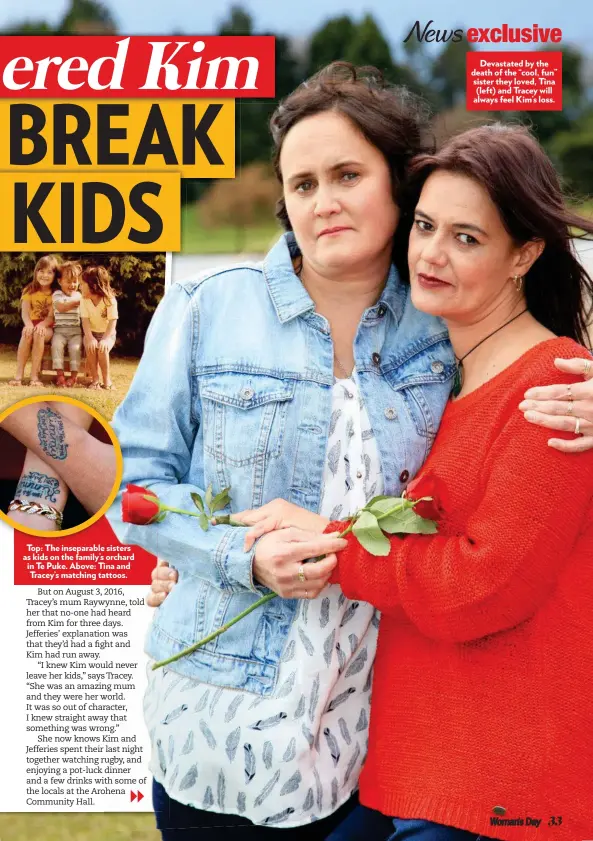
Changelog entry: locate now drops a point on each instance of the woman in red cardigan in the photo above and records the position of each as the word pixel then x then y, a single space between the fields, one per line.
pixel 481 723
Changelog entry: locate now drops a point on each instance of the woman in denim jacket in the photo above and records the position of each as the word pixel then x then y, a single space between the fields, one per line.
pixel 311 378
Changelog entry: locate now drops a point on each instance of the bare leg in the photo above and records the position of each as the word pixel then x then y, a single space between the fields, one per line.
pixel 92 364
pixel 22 355
pixel 39 342
pixel 105 368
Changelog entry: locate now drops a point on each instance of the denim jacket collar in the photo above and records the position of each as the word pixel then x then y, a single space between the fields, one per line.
pixel 291 299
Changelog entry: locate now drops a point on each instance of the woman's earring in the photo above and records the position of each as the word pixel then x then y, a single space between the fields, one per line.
pixel 518 281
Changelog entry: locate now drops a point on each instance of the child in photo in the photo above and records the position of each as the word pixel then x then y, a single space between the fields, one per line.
pixel 38 319
pixel 66 304
pixel 98 311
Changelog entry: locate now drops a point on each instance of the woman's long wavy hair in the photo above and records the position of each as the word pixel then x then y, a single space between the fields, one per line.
pixel 389 116
pixel 508 162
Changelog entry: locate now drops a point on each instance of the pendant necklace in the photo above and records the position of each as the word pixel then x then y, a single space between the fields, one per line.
pixel 458 380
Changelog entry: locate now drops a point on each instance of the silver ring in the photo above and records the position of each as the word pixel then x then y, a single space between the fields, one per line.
pixel 306 594
pixel 577 426
pixel 301 574
pixel 569 409
pixel 587 367
pixel 569 389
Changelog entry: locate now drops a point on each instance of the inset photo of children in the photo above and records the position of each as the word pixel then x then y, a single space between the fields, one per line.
pixel 61 465
pixel 75 321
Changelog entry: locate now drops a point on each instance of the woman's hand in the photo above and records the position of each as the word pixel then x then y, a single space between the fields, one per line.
pixel 40 329
pixel 28 330
pixel 279 556
pixel 91 344
pixel 559 407
pixel 278 514
pixel 164 579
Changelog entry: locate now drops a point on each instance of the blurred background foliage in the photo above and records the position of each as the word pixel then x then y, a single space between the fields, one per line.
pixel 239 215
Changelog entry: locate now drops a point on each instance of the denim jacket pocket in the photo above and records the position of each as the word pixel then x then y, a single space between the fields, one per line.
pixel 244 416
pixel 424 382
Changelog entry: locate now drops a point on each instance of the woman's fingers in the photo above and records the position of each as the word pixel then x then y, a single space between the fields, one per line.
pixel 564 423
pixel 304 545
pixel 317 571
pixel 264 526
pixel 578 391
pixel 576 445
pixel 583 367
pixel 163 578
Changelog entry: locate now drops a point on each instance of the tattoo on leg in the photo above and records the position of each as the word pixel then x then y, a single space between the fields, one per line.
pixel 50 431
pixel 38 485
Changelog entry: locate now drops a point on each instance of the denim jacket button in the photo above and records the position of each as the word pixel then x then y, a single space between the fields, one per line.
pixel 404 475
pixel 390 413
pixel 376 358
pixel 382 310
pixel 437 367
pixel 246 393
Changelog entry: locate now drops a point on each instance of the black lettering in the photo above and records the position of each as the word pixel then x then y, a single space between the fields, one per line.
pixel 74 138
pixel 106 133
pixel 144 210
pixel 18 133
pixel 90 191
pixel 162 146
pixel 25 212
pixel 444 37
pixel 416 28
pixel 192 132
pixel 458 35
pixel 67 212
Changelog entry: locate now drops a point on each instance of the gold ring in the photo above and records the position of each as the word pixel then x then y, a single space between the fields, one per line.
pixel 569 389
pixel 577 426
pixel 587 367
pixel 301 574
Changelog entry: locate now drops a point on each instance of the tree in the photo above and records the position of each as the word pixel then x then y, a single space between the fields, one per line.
pixel 238 22
pixel 448 76
pixel 331 42
pixel 87 17
pixel 369 47
pixel 571 151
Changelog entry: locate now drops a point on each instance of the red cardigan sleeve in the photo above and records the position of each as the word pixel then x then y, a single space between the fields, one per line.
pixel 527 519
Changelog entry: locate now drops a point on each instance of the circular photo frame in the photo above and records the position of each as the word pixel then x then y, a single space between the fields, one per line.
pixel 61 464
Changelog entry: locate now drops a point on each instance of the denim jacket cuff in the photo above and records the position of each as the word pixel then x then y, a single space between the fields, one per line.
pixel 237 565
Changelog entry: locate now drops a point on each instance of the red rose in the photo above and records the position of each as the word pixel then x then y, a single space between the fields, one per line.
pixel 430 489
pixel 139 505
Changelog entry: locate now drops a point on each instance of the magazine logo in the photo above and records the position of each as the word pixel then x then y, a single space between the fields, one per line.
pixel 503 34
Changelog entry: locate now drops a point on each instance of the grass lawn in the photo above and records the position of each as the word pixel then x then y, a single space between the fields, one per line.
pixel 75 826
pixel 105 402
pixel 195 239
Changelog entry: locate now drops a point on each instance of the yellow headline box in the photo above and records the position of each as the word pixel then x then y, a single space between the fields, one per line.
pixel 82 212
pixel 193 137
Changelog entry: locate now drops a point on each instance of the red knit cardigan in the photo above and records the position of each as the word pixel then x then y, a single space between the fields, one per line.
pixel 482 710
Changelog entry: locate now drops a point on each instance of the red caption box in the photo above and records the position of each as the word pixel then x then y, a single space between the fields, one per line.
pixel 93 556
pixel 514 81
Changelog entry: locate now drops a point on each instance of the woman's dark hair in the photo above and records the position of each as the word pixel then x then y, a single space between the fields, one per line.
pixel 508 162
pixel 390 117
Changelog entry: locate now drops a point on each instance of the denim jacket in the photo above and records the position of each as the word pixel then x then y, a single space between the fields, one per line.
pixel 234 389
